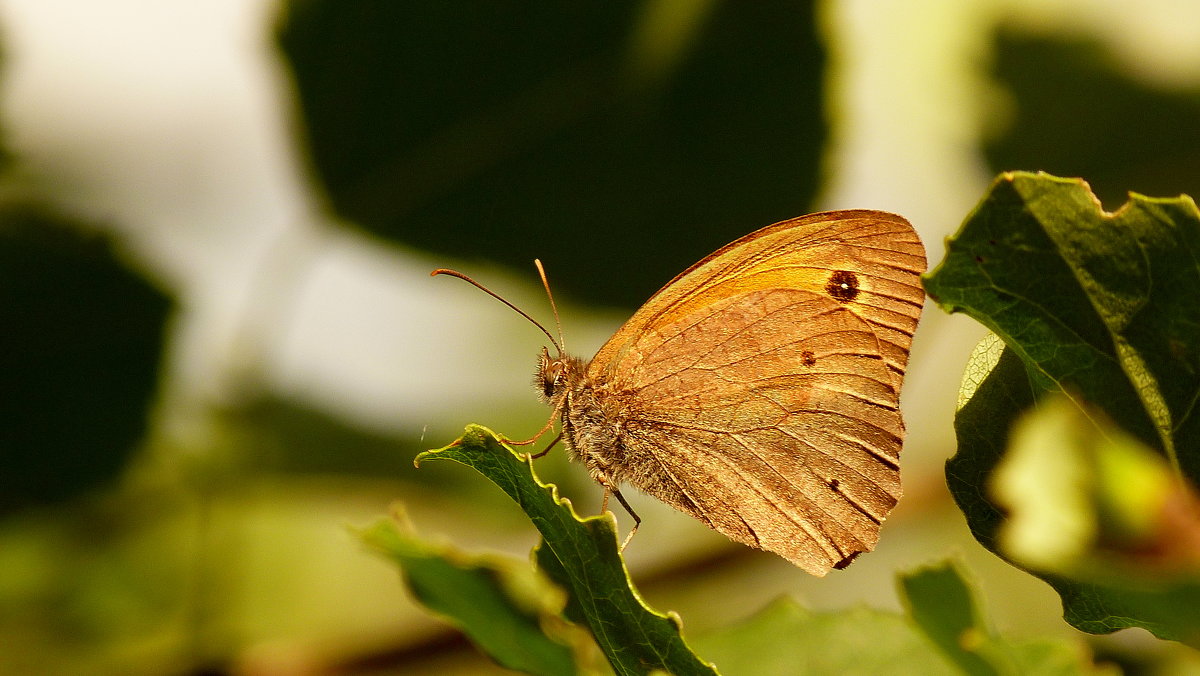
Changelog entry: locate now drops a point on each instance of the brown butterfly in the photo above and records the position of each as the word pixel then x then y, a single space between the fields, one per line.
pixel 759 390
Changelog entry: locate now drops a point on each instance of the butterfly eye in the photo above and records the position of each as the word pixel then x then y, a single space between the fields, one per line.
pixel 555 373
pixel 549 374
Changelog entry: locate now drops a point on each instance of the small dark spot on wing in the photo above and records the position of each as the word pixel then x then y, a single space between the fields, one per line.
pixel 842 286
pixel 846 561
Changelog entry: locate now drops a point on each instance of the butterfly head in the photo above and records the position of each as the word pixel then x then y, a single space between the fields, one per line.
pixel 551 376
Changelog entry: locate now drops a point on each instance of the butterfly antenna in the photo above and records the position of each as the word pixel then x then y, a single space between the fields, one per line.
pixel 562 343
pixel 456 273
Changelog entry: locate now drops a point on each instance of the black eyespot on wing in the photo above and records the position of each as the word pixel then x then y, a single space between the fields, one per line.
pixel 842 286
pixel 808 358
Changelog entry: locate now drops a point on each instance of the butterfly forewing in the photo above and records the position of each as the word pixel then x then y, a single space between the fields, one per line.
pixel 880 251
pixel 759 390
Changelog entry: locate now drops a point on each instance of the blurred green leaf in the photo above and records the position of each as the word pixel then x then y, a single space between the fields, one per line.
pixel 581 555
pixel 491 599
pixel 1090 504
pixel 785 638
pixel 1087 500
pixel 944 632
pixel 580 133
pixel 82 336
pixel 945 607
pixel 942 605
pixel 1099 306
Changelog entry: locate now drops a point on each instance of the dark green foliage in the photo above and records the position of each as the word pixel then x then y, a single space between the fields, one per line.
pixel 522 131
pixel 1078 112
pixel 82 338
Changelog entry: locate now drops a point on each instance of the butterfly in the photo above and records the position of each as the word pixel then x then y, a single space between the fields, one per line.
pixel 759 390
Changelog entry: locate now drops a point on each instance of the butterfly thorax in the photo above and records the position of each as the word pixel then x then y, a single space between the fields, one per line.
pixel 592 431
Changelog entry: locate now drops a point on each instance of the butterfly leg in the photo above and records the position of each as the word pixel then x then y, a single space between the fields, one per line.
pixel 534 438
pixel 546 450
pixel 637 520
pixel 545 428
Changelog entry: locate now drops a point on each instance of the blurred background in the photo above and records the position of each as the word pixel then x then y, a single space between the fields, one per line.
pixel 220 348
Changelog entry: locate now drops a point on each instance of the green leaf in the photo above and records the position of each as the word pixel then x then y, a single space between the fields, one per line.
pixel 490 599
pixel 1098 306
pixel 1088 500
pixel 982 427
pixel 999 388
pixel 1090 504
pixel 785 638
pixel 941 604
pixel 1101 304
pixel 582 555
pixel 944 606
pixel 944 632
